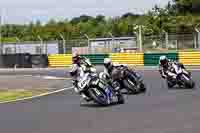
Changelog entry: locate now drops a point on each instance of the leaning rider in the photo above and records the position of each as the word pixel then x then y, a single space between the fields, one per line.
pixel 165 64
pixel 79 68
pixel 110 67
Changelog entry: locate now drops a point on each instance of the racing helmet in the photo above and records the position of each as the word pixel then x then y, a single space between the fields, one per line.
pixel 108 63
pixel 75 58
pixel 163 60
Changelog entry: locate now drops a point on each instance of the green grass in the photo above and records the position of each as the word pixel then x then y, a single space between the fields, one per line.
pixel 8 95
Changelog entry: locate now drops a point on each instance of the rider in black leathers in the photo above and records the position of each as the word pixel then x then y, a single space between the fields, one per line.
pixel 112 71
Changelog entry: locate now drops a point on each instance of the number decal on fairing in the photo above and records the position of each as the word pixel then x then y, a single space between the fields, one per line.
pixel 82 84
pixel 96 82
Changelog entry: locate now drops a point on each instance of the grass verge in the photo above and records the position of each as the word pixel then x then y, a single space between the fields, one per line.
pixel 9 95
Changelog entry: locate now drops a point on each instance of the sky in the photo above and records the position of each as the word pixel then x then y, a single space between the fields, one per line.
pixel 25 11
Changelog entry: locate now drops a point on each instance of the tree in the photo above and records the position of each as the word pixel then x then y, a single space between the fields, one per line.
pixel 100 18
pixel 129 14
pixel 196 7
pixel 183 6
pixel 82 18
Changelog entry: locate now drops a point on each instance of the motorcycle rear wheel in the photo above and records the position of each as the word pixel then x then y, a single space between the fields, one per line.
pixel 130 87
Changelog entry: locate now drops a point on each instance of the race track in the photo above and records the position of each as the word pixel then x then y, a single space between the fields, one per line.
pixel 160 110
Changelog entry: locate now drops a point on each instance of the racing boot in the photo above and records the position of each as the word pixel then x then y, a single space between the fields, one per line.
pixel 116 88
pixel 86 97
pixel 75 86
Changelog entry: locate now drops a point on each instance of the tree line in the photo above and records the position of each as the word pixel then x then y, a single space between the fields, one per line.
pixel 178 16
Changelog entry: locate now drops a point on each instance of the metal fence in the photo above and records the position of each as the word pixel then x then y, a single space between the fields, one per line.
pixel 106 45
pixel 30 47
pixel 163 41
pixel 169 41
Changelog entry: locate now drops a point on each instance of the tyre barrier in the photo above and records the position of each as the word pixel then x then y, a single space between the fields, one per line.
pixel 23 61
pixel 39 61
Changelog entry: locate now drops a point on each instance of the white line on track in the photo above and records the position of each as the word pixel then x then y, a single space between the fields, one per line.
pixel 37 96
pixel 53 77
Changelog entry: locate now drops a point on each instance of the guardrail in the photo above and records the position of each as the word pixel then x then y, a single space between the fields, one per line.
pixel 60 60
pixel 189 58
pixel 138 59
pixel 152 59
pixel 128 58
pixel 96 59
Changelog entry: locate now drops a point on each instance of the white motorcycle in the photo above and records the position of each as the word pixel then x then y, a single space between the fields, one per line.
pixel 179 76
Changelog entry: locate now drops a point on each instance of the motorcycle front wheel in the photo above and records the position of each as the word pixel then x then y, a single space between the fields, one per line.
pixel 143 87
pixel 188 82
pixel 99 98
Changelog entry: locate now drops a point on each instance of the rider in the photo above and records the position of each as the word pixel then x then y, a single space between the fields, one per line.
pixel 79 67
pixel 165 64
pixel 110 67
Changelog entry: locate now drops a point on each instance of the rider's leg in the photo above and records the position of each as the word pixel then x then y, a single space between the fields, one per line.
pixel 75 85
pixel 86 96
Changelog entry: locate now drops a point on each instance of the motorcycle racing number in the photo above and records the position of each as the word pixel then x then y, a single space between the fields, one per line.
pixel 82 84
pixel 96 82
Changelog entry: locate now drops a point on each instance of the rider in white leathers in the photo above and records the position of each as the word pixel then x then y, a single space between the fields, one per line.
pixel 165 65
pixel 79 68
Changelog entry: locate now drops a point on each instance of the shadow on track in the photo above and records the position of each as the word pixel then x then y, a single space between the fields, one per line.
pixel 132 94
pixel 93 105
pixel 181 88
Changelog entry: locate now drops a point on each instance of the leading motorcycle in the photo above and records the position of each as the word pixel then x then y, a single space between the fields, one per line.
pixel 179 76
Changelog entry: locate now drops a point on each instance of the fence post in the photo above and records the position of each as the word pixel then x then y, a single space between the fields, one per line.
pixel 140 37
pixel 195 41
pixel 196 37
pixel 64 43
pixel 167 39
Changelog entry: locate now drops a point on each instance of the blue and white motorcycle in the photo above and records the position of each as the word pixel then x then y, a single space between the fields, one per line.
pixel 99 90
pixel 179 76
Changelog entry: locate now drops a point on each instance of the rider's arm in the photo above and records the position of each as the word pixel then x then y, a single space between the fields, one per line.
pixel 162 73
pixel 181 65
pixel 106 72
pixel 73 70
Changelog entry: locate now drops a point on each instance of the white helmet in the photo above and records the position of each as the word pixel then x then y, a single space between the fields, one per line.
pixel 107 62
pixel 163 60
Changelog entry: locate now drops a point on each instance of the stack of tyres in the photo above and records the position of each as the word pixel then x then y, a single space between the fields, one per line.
pixel 39 61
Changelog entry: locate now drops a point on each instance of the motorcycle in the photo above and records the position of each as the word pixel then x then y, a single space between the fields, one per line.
pixel 129 79
pixel 100 91
pixel 179 76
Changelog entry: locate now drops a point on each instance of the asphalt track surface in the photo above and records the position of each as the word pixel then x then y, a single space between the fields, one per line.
pixel 160 110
